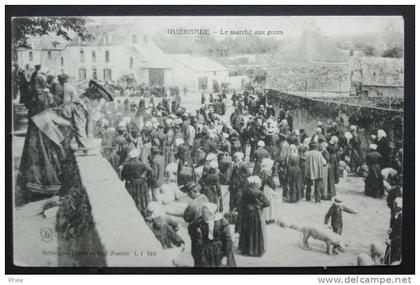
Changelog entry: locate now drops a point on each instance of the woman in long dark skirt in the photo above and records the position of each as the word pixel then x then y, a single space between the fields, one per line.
pixel 374 186
pixel 211 238
pixel 186 171
pixel 251 235
pixel 294 176
pixel 48 160
pixel 383 148
pixel 328 189
pixel 135 174
pixel 332 150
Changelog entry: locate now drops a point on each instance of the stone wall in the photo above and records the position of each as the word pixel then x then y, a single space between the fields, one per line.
pixel 307 112
pixel 115 234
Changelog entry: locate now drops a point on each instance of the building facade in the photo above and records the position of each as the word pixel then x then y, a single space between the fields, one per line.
pixel 198 73
pixel 114 51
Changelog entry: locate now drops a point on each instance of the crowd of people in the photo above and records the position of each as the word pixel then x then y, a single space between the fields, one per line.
pixel 164 152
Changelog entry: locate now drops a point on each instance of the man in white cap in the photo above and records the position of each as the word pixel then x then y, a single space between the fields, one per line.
pixel 260 153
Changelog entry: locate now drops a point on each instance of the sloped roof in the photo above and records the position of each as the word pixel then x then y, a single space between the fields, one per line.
pixel 117 34
pixel 46 43
pixel 311 46
pixel 198 63
pixel 151 56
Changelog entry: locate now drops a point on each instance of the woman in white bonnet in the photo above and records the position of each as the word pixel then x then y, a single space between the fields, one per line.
pixel 268 185
pixel 374 186
pixel 383 148
pixel 211 239
pixel 252 239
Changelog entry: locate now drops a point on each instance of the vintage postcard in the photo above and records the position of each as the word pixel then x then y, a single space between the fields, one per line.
pixel 207 141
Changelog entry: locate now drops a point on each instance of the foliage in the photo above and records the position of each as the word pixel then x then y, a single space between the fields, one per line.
pixel 26 27
pixel 74 215
pixel 369 50
pixel 128 79
pixel 395 52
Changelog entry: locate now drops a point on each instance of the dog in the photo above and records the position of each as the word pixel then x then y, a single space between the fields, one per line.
pixel 333 241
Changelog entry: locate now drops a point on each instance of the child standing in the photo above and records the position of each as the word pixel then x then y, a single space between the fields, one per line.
pixel 335 212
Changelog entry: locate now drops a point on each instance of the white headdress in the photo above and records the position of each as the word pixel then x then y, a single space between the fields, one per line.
pixel 254 180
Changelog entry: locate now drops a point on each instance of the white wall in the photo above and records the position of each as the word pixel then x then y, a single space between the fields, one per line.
pixel 183 76
pixel 40 57
pixel 119 61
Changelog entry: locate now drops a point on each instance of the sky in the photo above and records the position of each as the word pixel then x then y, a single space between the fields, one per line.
pixel 291 26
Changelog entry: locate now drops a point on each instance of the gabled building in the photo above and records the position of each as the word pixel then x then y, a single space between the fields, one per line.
pixel 46 51
pixel 198 73
pixel 114 51
pixel 117 50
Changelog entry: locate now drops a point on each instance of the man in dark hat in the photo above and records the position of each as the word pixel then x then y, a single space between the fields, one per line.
pixel 194 208
pixel 79 111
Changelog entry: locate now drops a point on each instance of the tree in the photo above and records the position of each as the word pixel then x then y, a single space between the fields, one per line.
pixel 396 52
pixel 25 28
pixel 369 50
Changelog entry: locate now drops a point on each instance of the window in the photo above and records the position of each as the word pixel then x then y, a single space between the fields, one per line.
pixel 82 73
pixel 134 39
pixel 94 74
pixel 131 62
pixel 145 39
pixel 49 55
pixel 31 56
pixel 214 73
pixel 202 83
pixel 15 55
pixel 82 56
pixel 107 56
pixel 61 61
pixel 93 56
pixel 107 39
pixel 107 74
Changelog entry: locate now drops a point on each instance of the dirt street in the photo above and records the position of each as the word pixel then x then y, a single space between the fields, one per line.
pixel 284 246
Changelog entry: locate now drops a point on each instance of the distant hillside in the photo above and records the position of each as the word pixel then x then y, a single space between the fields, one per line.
pixel 310 63
pixel 311 46
pixel 210 46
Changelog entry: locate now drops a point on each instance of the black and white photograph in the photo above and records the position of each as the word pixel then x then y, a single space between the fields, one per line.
pixel 192 141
